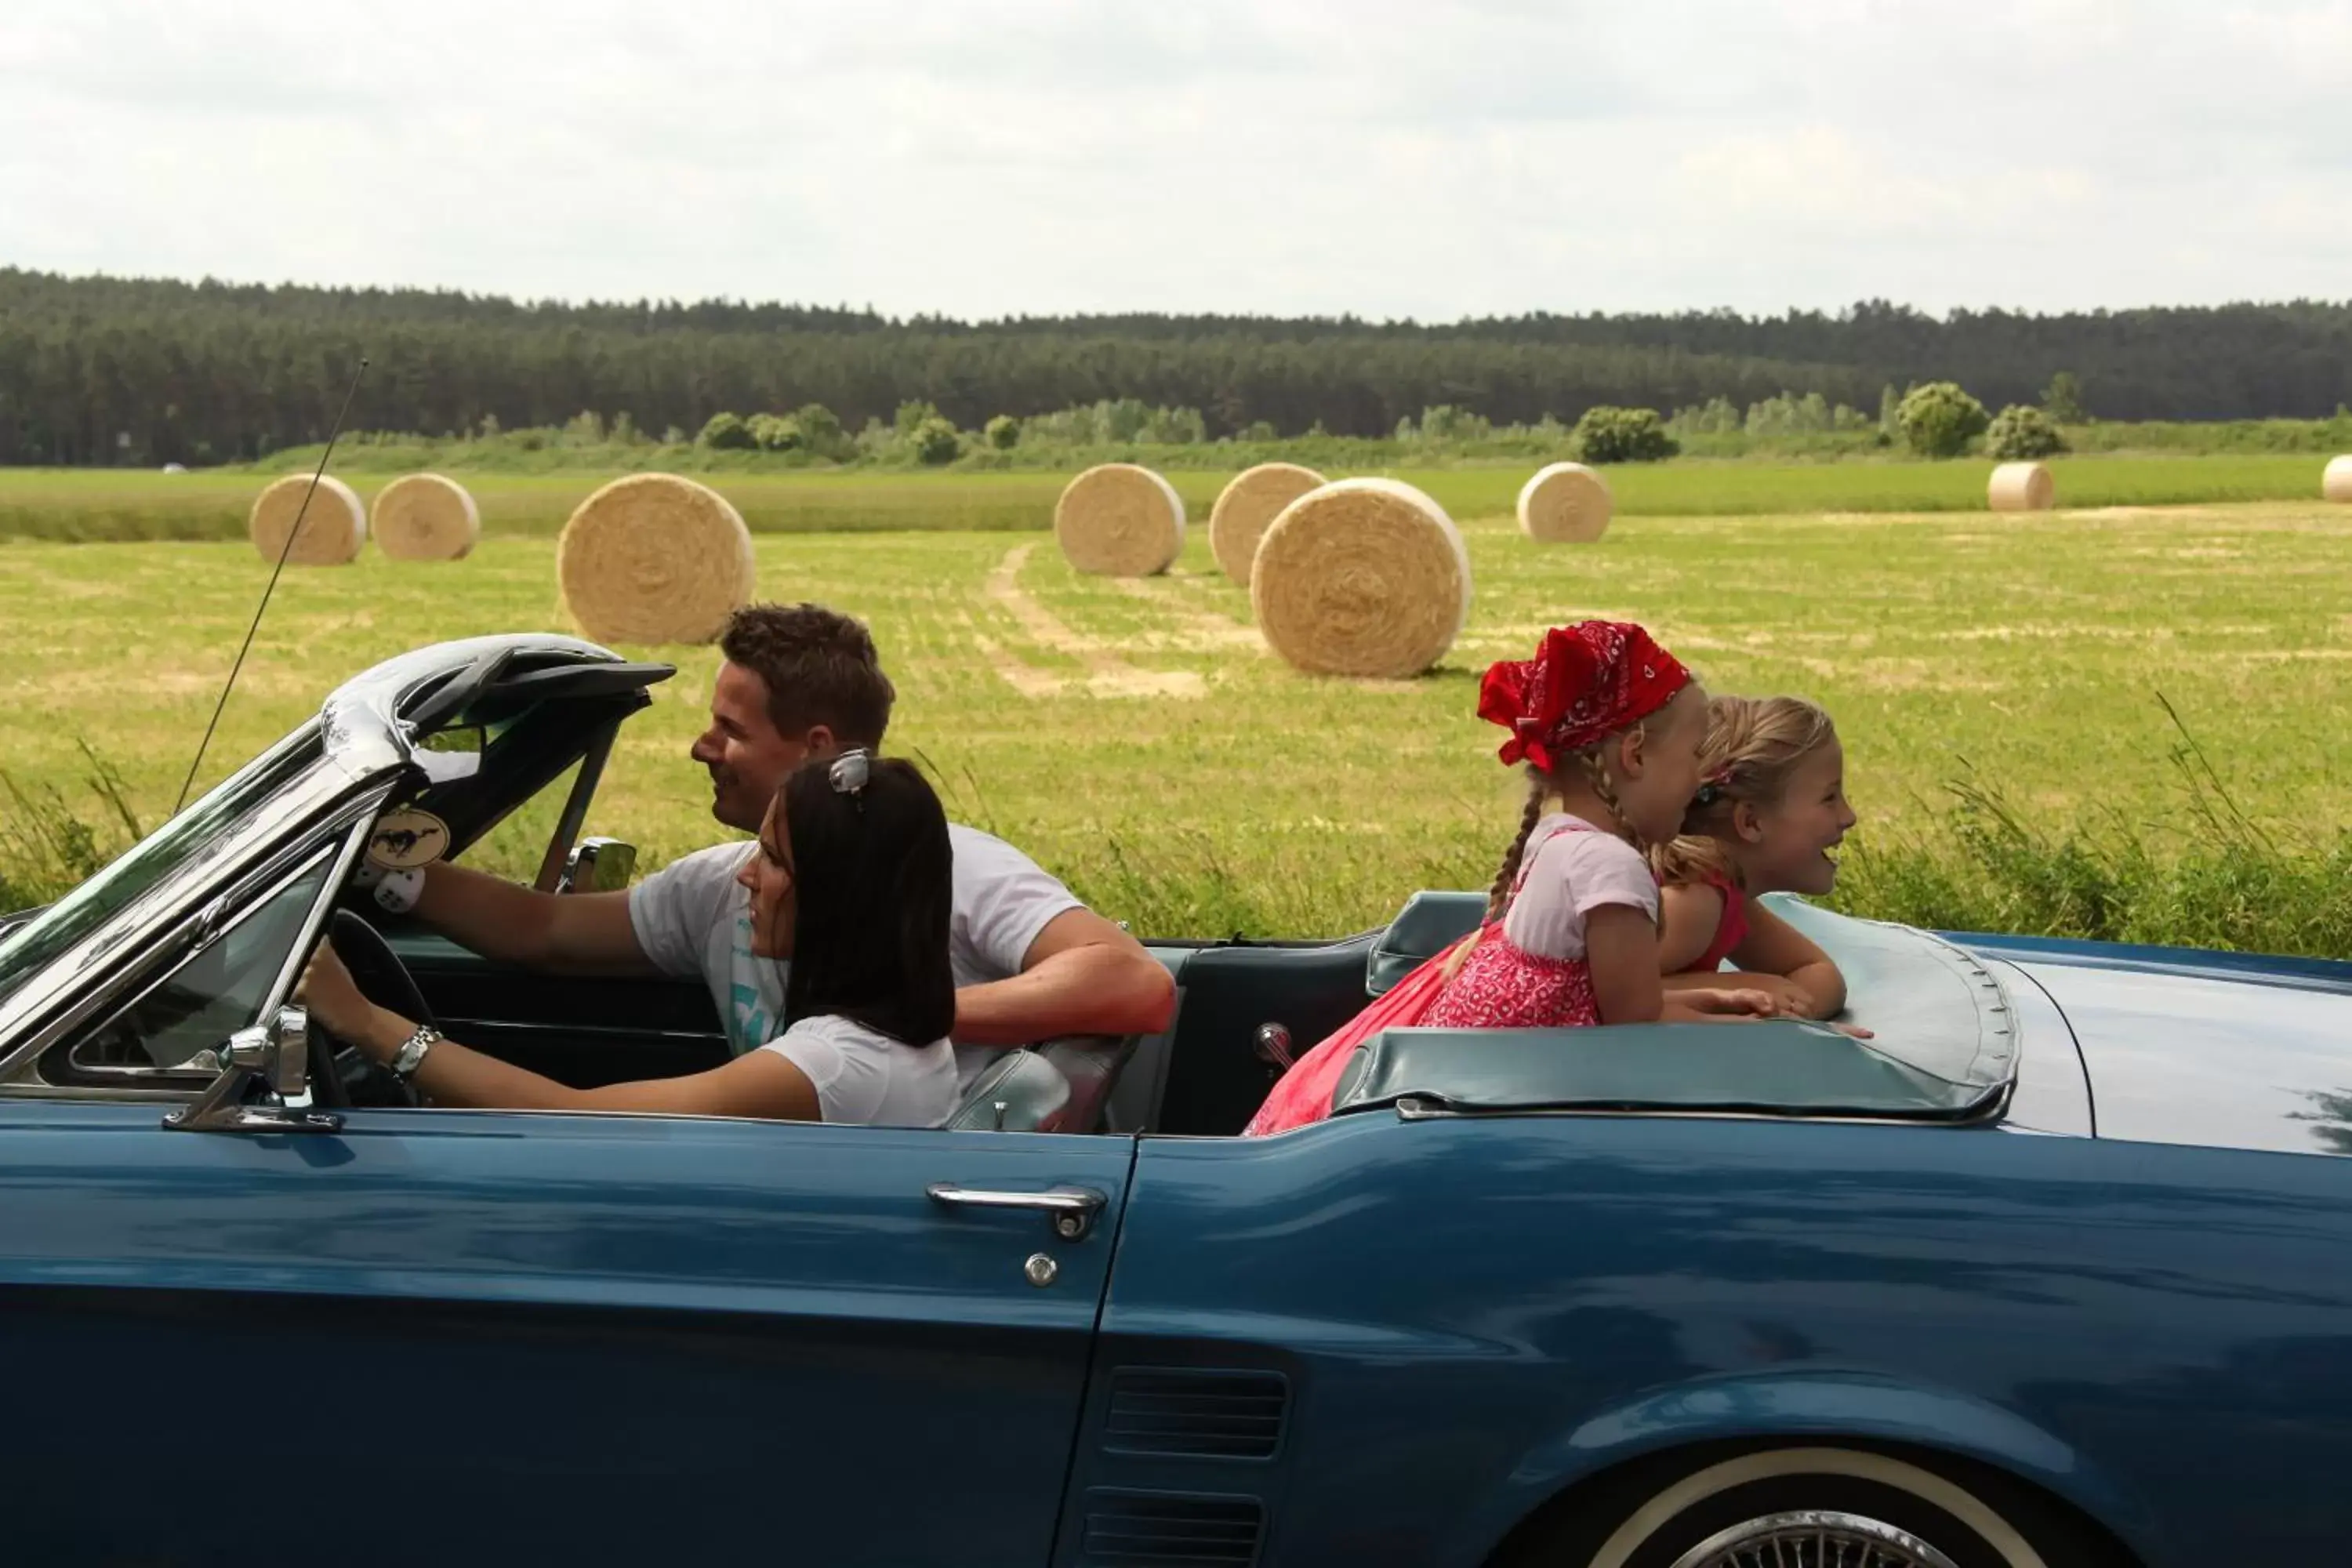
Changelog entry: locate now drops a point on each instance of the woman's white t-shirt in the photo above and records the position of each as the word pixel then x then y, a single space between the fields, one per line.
pixel 865 1079
pixel 692 917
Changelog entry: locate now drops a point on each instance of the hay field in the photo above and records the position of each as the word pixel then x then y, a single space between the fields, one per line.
pixel 109 504
pixel 1135 736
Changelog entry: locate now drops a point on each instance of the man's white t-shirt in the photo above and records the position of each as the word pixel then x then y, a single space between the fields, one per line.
pixel 692 917
pixel 865 1079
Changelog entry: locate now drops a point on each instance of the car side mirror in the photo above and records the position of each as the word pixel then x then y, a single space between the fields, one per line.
pixel 598 866
pixel 275 1056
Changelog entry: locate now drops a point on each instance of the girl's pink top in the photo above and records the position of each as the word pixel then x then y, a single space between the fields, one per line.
pixel 1731 930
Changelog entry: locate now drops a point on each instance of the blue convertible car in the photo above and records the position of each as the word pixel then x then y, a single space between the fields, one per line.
pixel 2056 1269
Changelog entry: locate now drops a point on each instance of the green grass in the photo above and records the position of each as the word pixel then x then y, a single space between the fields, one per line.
pixel 81 505
pixel 2025 656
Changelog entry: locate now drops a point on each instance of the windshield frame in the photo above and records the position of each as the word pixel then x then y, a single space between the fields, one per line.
pixel 25 949
pixel 181 884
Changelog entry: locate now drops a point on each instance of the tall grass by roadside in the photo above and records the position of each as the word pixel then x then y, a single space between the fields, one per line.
pixel 2213 879
pixel 48 843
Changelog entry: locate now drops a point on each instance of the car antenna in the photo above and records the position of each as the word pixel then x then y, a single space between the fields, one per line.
pixel 284 550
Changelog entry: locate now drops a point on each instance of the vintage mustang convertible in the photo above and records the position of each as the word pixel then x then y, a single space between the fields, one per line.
pixel 2056 1269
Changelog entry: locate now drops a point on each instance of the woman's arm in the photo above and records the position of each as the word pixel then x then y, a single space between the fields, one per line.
pixel 1773 947
pixel 758 1084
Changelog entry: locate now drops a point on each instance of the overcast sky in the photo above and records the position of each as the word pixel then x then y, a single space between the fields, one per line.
pixel 1430 160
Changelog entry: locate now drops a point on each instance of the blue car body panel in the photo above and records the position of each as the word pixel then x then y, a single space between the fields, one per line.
pixel 536 1339
pixel 2214 1049
pixel 1476 1314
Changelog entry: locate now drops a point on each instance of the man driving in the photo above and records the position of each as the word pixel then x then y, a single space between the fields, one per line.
pixel 798 682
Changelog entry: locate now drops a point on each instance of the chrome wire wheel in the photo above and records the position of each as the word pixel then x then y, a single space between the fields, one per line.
pixel 1812 1539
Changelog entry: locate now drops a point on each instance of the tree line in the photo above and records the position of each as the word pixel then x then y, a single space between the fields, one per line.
pixel 100 370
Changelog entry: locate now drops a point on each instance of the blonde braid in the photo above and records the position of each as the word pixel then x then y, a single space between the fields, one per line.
pixel 1539 791
pixel 1596 772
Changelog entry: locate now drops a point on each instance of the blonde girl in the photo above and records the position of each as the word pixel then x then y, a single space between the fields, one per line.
pixel 1768 817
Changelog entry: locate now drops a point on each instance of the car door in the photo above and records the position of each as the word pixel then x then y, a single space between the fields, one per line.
pixel 500 1338
pixel 458 1336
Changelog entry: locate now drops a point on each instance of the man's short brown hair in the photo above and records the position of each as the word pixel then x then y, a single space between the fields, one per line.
pixel 820 668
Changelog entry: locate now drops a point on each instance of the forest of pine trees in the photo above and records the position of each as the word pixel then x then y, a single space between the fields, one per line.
pixel 97 371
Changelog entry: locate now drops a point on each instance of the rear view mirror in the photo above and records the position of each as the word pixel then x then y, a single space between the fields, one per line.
pixel 598 866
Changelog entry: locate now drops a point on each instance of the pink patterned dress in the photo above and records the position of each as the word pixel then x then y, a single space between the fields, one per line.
pixel 1499 987
pixel 1502 986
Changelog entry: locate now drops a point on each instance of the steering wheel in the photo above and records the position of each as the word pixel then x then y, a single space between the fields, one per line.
pixel 341 1075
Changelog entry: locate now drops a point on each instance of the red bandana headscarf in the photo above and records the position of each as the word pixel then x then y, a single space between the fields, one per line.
pixel 1585 683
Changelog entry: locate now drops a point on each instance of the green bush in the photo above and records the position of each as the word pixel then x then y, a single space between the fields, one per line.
pixel 820 432
pixel 935 441
pixel 1003 432
pixel 727 433
pixel 2062 399
pixel 1607 434
pixel 1940 419
pixel 912 416
pixel 1442 422
pixel 775 432
pixel 2021 432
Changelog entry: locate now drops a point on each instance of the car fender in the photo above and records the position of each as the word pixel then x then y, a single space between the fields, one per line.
pixel 1815 1406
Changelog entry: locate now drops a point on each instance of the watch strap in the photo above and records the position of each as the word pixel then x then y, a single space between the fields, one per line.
pixel 413 1051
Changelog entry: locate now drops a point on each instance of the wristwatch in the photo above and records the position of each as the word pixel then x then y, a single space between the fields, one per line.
pixel 411 1054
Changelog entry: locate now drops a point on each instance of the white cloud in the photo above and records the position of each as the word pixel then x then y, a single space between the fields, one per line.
pixel 1327 156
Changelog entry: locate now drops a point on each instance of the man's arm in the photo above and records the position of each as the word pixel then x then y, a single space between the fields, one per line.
pixel 1082 975
pixel 517 925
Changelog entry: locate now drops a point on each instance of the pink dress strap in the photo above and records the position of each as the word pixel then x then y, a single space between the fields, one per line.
pixel 1731 929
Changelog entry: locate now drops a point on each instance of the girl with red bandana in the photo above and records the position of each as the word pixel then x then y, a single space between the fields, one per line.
pixel 1608 725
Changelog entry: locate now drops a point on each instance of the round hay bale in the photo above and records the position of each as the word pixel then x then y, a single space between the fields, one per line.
pixel 1117 520
pixel 654 558
pixel 333 528
pixel 424 517
pixel 2021 487
pixel 2336 484
pixel 1363 577
pixel 1247 507
pixel 1566 504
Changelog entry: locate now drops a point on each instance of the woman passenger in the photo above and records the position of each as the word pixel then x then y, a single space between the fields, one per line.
pixel 851 890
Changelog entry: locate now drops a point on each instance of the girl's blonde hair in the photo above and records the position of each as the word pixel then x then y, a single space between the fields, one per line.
pixel 1541 787
pixel 1753 746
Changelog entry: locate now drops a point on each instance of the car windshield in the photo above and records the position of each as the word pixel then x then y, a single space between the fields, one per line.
pixel 33 944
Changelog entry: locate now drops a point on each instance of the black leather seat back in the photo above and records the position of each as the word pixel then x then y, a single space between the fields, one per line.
pixel 1425 927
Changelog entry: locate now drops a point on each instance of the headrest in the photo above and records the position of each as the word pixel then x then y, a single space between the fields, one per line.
pixel 1425 927
pixel 1030 1088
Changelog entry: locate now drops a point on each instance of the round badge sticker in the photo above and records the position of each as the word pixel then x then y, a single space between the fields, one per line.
pixel 404 840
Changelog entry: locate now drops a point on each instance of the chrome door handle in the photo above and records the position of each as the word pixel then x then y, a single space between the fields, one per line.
pixel 1072 1209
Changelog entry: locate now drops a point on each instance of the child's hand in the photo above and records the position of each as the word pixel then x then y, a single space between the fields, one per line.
pixel 1743 1005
